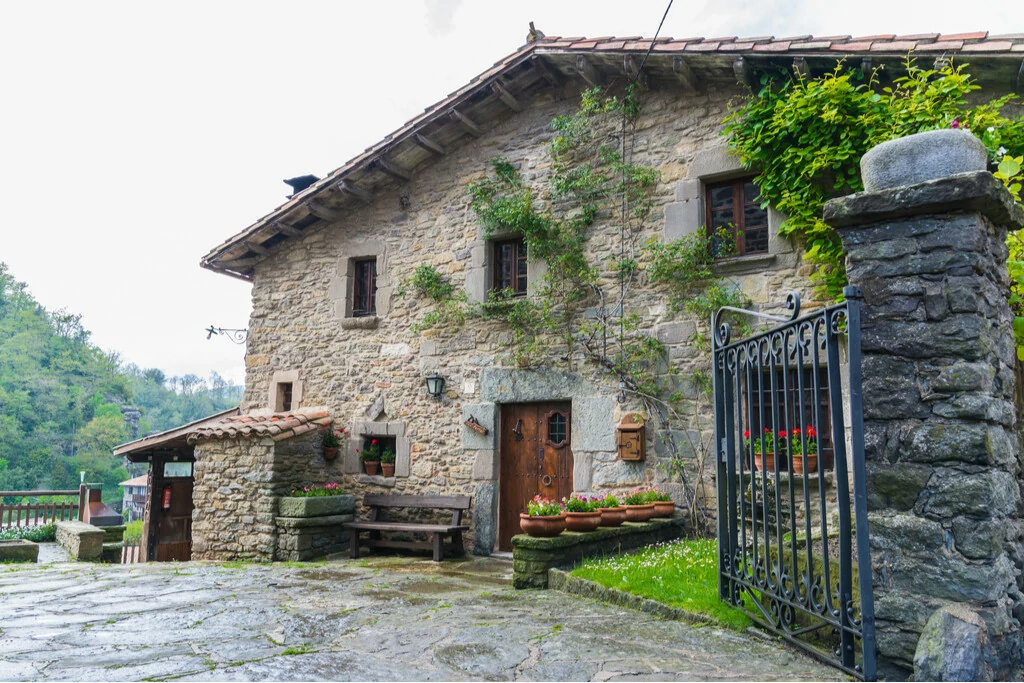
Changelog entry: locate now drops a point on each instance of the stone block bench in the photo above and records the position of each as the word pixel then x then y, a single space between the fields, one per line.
pixel 84 542
pixel 19 550
pixel 532 557
pixel 310 528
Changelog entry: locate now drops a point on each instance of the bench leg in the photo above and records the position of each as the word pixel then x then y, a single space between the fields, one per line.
pixel 457 546
pixel 438 538
pixel 353 541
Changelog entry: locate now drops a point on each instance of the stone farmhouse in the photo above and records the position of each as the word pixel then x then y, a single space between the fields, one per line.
pixel 333 341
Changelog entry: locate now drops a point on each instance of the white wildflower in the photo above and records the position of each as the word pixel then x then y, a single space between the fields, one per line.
pixel 1001 152
pixel 991 129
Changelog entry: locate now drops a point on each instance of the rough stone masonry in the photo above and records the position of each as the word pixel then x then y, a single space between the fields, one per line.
pixel 942 453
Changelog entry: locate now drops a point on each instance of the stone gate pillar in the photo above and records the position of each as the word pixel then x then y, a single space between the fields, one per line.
pixel 942 454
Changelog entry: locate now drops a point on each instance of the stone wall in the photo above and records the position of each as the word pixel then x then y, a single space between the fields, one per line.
pixel 371 370
pixel 943 461
pixel 238 483
pixel 84 542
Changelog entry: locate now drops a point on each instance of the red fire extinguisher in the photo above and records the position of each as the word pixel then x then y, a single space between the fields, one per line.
pixel 167 498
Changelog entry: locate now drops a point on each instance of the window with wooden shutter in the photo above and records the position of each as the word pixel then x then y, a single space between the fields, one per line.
pixel 364 290
pixel 509 266
pixel 734 207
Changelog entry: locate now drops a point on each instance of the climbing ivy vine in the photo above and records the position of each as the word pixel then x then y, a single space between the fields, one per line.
pixel 806 136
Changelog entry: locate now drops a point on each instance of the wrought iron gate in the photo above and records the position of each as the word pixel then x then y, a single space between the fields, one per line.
pixel 792 509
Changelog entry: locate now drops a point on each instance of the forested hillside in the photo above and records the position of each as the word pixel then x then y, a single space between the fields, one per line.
pixel 64 403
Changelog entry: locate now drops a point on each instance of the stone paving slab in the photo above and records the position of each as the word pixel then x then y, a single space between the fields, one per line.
pixel 384 618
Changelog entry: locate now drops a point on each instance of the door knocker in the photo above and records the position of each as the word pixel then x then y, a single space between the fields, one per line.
pixel 546 480
pixel 518 430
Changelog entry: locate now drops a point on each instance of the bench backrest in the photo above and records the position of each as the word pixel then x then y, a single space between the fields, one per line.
pixel 454 503
pixel 435 502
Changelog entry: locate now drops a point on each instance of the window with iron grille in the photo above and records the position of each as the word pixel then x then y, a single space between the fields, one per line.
pixel 734 207
pixel 364 290
pixel 509 266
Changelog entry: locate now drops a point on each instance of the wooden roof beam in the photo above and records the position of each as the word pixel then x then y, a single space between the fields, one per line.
pixel 739 67
pixel 506 97
pixel 256 248
pixel 588 72
pixel 548 74
pixel 385 166
pixel 800 67
pixel 321 211
pixel 356 192
pixel 633 71
pixel 685 74
pixel 286 229
pixel 429 145
pixel 468 125
pixel 235 264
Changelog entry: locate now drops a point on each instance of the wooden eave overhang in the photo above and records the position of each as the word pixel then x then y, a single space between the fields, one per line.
pixel 142 449
pixel 692 64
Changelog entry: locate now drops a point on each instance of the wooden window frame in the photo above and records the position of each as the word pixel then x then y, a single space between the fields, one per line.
pixel 285 396
pixel 547 428
pixel 364 287
pixel 519 282
pixel 739 227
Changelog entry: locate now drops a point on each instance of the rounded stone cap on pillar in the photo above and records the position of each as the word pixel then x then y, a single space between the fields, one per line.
pixel 921 157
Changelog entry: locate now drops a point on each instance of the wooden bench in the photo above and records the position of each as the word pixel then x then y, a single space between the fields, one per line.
pixel 376 524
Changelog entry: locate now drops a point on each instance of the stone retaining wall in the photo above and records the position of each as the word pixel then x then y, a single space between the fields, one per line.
pixel 532 557
pixel 83 542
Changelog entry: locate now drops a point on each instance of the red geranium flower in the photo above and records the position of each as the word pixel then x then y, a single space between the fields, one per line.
pixel 746 434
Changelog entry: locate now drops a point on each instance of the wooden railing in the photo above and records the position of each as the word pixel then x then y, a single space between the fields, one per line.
pixel 38 513
pixel 131 552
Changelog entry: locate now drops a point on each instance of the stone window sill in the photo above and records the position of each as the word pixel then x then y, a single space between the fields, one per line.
pixel 369 322
pixel 377 480
pixel 742 264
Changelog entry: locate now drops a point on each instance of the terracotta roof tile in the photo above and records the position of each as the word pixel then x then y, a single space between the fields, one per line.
pixel 735 47
pixel 277 426
pixel 1008 36
pixel 919 36
pixel 894 46
pixel 723 39
pixel 796 38
pixel 674 46
pixel 833 38
pixel 989 46
pixel 851 47
pixel 940 45
pixel 614 45
pixel 777 46
pixel 584 44
pixel 885 36
pixel 811 45
pixel 977 35
pixel 1017 48
pixel 702 47
pixel 638 45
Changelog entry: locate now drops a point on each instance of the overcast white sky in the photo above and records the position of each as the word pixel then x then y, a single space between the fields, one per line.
pixel 135 136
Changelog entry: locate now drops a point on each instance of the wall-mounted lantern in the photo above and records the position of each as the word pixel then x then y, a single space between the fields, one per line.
pixel 435 385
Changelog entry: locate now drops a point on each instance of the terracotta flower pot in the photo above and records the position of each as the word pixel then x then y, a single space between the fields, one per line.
pixel 812 463
pixel 639 513
pixel 387 469
pixel 613 516
pixel 330 452
pixel 764 463
pixel 582 521
pixel 664 508
pixel 544 527
pixel 372 467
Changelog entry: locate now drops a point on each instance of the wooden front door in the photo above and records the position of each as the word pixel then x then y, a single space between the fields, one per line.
pixel 535 459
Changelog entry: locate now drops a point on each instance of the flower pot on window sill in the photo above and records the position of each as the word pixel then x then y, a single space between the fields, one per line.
pixel 372 467
pixel 765 462
pixel 812 463
pixel 387 469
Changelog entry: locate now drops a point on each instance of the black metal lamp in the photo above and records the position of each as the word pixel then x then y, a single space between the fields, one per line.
pixel 435 385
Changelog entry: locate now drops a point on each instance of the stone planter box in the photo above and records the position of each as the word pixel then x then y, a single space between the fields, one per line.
pixel 300 539
pixel 533 557
pixel 321 506
pixel 19 550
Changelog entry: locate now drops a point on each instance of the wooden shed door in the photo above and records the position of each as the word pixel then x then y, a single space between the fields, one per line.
pixel 535 459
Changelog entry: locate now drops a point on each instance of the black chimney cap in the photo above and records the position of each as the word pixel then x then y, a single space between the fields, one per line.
pixel 300 183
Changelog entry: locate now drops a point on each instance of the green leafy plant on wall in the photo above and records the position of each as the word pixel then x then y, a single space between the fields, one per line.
pixel 806 136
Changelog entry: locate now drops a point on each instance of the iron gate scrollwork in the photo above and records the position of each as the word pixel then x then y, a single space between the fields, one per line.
pixel 792 508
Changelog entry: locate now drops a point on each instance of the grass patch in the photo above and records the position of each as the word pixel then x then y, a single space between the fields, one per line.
pixel 682 574
pixel 133 530
pixel 37 534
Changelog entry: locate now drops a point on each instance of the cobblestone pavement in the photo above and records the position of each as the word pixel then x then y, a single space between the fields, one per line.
pixel 380 619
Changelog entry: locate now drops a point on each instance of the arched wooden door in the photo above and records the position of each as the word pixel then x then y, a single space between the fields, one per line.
pixel 535 459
